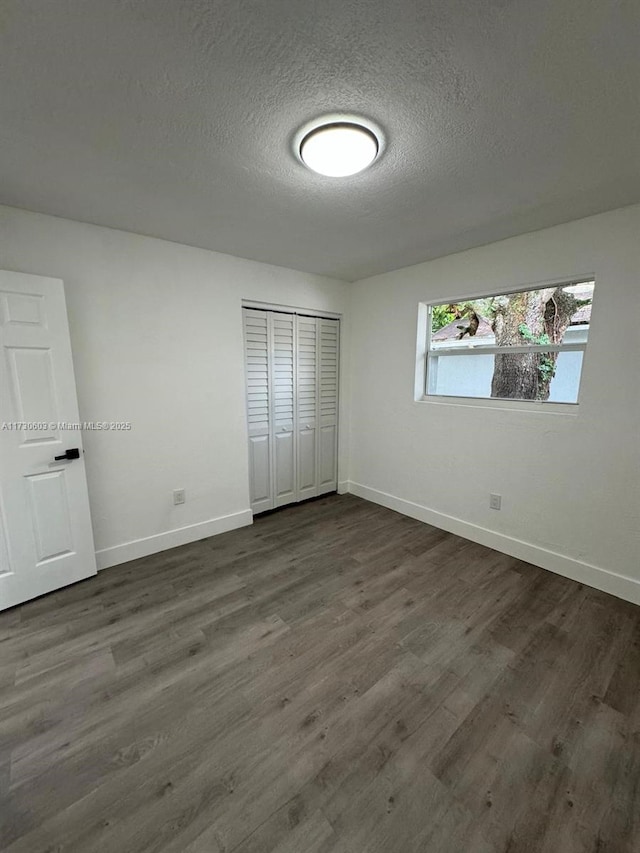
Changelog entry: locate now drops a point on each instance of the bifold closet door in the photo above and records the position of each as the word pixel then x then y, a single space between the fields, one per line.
pixel 291 366
pixel 307 405
pixel 257 345
pixel 327 403
pixel 282 404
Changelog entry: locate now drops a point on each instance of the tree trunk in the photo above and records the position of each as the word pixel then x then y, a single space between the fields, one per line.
pixel 547 312
pixel 557 317
pixel 516 375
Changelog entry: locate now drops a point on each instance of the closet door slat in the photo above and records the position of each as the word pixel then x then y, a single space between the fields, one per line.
pixel 307 406
pixel 257 345
pixel 282 408
pixel 327 405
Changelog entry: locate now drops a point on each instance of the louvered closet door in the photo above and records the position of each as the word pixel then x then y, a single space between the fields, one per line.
pixel 282 407
pixel 327 443
pixel 306 405
pixel 257 335
pixel 292 406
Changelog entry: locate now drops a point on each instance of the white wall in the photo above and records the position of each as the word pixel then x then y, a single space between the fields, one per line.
pixel 570 481
pixel 157 340
pixel 156 333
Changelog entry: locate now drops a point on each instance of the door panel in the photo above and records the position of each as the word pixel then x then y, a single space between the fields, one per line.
pixel 260 472
pixel 327 453
pixel 49 504
pixel 285 468
pixel 306 404
pixel 4 553
pixel 328 405
pixel 307 486
pixel 282 409
pixel 32 391
pixel 46 539
pixel 21 308
pixel 257 371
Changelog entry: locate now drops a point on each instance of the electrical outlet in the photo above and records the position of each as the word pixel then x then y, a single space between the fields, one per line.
pixel 179 496
pixel 495 501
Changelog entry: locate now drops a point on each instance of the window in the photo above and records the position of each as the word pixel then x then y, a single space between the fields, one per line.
pixel 525 345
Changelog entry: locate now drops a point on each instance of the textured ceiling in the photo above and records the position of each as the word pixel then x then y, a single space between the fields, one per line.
pixel 174 118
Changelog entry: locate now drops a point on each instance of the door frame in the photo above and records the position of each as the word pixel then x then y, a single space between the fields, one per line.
pixel 290 309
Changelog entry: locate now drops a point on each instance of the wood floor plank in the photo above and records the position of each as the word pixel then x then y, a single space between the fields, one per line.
pixel 336 678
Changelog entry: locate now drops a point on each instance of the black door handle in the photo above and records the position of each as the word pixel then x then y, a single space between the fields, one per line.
pixel 73 453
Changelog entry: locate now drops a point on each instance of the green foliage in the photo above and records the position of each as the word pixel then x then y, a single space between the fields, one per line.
pixel 538 340
pixel 546 368
pixel 485 307
pixel 546 365
pixel 440 317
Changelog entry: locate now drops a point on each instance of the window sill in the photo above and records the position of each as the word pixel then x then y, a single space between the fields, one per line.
pixel 501 404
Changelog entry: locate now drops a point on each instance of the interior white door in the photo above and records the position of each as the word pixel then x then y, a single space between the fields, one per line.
pixel 257 345
pixel 283 382
pixel 328 367
pixel 46 540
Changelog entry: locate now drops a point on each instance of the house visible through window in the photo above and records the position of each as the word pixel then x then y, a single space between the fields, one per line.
pixel 527 345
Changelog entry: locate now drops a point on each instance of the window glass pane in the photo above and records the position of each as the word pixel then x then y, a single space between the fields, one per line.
pixel 547 377
pixel 566 381
pixel 553 315
pixel 460 376
pixel 558 315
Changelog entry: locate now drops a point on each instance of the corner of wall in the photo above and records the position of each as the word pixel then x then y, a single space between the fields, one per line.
pixel 148 545
pixel 615 584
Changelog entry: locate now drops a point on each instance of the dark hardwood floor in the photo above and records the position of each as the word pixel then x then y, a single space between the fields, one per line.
pixel 335 679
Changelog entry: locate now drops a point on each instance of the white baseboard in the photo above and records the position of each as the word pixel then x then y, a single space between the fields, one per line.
pixel 117 554
pixel 602 579
pixel 343 487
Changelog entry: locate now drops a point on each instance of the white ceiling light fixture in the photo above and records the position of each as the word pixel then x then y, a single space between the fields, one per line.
pixel 339 148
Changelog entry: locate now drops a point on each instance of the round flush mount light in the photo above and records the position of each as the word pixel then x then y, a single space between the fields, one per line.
pixel 338 148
